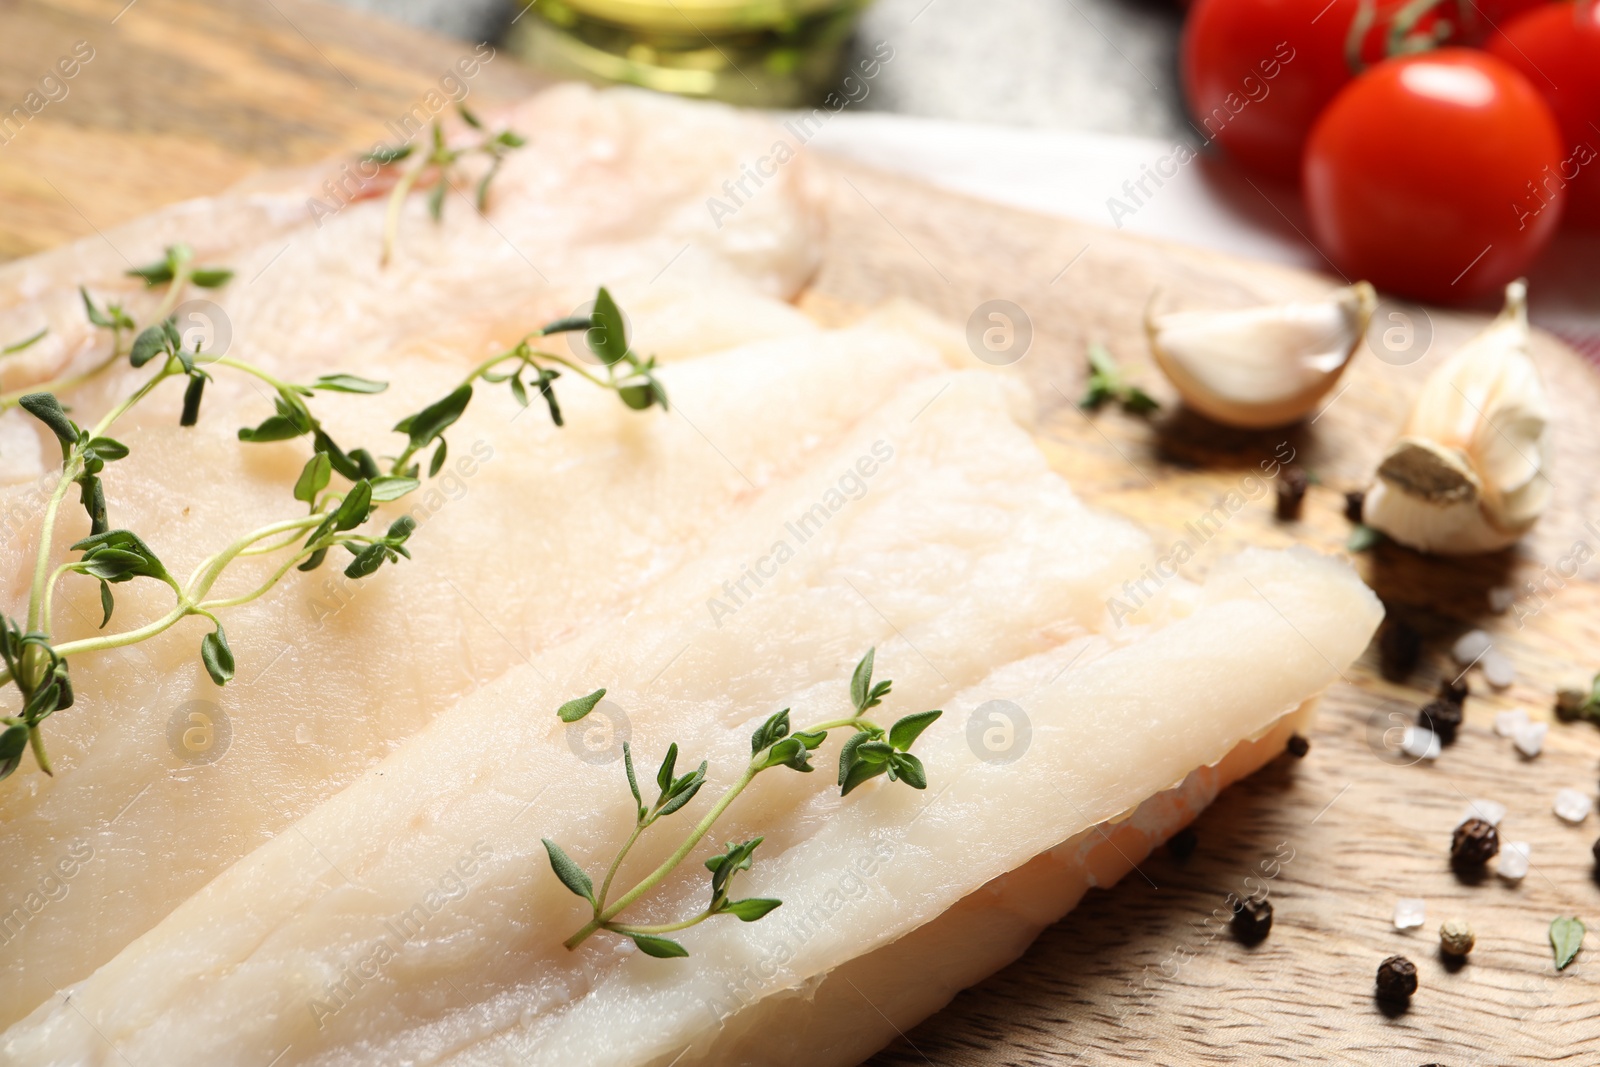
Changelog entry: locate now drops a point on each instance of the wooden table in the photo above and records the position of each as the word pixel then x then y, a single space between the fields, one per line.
pixel 183 98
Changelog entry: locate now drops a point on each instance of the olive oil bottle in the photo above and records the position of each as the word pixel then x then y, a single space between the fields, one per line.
pixel 762 53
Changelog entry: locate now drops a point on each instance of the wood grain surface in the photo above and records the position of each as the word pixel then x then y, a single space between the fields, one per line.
pixel 1131 976
pixel 184 98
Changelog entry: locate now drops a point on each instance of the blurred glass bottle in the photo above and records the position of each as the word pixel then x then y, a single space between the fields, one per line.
pixel 761 53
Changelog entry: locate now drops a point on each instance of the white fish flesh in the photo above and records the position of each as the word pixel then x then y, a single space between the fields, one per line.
pixel 413 916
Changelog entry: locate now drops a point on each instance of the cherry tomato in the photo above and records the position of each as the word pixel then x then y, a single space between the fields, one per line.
pixel 1256 73
pixel 1557 48
pixel 1480 19
pixel 1416 175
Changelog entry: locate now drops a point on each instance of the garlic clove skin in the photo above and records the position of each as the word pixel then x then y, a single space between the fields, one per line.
pixel 1468 473
pixel 1265 366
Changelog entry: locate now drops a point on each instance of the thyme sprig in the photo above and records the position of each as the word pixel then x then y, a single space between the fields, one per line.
pixel 870 751
pixel 37 667
pixel 176 270
pixel 440 160
pixel 1107 381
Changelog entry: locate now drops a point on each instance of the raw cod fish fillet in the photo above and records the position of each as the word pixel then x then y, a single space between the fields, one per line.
pixel 413 917
pixel 334 673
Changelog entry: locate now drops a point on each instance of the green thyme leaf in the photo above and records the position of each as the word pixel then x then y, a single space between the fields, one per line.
pixel 108 449
pixel 13 742
pixel 812 739
pixel 436 201
pixel 633 781
pixel 903 734
pixel 273 428
pixel 154 273
pixel 608 332
pixel 861 681
pixel 126 547
pixel 211 277
pixel 682 791
pixel 570 873
pixel 664 775
pixel 436 418
pixel 847 755
pixel 355 508
pixel 909 770
pixel 770 732
pixel 1107 382
pixel 217 656
pixel 861 771
pixel 348 383
pixel 733 859
pixel 1363 537
pixel 314 478
pixel 577 708
pixel 26 342
pixel 439 454
pixel 47 409
pixel 751 909
pixel 468 117
pixel 660 947
pixel 383 155
pixel 1566 938
pixel 192 395
pixel 387 487
pixel 107 604
pixel 568 325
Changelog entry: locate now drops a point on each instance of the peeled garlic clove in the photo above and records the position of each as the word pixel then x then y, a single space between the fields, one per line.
pixel 1263 366
pixel 1467 474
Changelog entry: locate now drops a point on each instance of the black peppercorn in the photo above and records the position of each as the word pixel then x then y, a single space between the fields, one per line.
pixel 1474 843
pixel 1596 851
pixel 1397 978
pixel 1298 746
pixel 1454 690
pixel 1399 648
pixel 1252 920
pixel 1443 717
pixel 1291 493
pixel 1182 844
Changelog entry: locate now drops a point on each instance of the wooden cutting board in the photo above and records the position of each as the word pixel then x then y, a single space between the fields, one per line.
pixel 182 98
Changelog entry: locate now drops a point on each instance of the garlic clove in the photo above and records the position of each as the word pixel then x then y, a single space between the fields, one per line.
pixel 1468 472
pixel 1263 366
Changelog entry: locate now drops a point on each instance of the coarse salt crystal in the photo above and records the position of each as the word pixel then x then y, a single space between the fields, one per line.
pixel 1490 811
pixel 1420 742
pixel 1410 912
pixel 1497 669
pixel 1513 862
pixel 1572 806
pixel 1471 646
pixel 1529 739
pixel 1507 723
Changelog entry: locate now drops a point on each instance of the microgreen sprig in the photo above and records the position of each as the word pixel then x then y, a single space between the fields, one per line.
pixel 870 751
pixel 37 667
pixel 441 160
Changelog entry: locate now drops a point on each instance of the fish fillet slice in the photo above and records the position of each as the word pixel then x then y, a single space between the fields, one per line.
pixel 611 190
pixel 966 553
pixel 542 533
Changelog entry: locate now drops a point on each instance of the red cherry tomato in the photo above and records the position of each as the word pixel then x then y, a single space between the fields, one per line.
pixel 1416 176
pixel 1480 19
pixel 1557 48
pixel 1256 73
